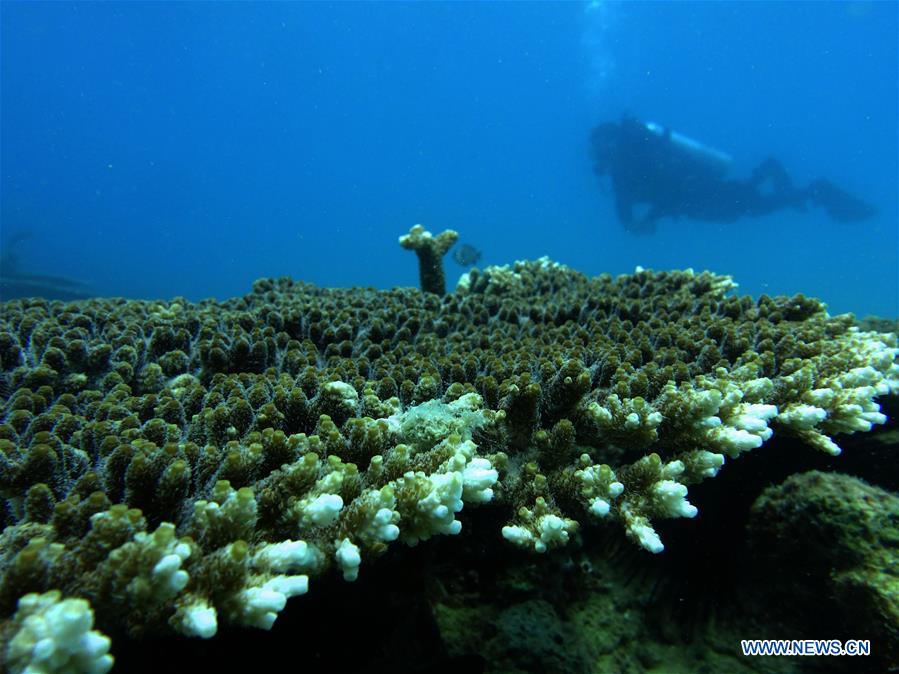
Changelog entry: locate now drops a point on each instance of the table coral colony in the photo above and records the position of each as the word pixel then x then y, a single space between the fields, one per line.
pixel 171 466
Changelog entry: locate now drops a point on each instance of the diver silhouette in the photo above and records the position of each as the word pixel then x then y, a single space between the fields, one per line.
pixel 670 175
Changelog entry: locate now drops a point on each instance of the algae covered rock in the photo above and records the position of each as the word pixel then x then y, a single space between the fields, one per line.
pixel 829 543
pixel 533 636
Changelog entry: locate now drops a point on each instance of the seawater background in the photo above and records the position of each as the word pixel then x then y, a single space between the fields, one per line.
pixel 162 149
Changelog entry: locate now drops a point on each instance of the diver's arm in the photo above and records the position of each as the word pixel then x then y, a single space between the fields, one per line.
pixel 625 209
pixel 648 221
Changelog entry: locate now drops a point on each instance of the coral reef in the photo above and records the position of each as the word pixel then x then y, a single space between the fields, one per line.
pixel 170 466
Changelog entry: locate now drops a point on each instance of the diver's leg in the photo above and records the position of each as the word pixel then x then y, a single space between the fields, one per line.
pixel 772 170
pixel 838 204
pixel 781 194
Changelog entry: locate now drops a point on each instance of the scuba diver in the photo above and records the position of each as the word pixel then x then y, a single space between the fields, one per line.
pixel 672 175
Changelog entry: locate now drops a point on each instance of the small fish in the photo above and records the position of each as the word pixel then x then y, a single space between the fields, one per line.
pixel 466 255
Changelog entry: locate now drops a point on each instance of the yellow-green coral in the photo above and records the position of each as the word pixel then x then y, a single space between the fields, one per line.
pixel 181 466
pixel 430 250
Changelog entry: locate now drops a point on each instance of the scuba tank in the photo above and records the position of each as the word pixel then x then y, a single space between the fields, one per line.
pixel 692 152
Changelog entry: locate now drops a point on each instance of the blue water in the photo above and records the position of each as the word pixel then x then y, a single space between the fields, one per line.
pixel 163 149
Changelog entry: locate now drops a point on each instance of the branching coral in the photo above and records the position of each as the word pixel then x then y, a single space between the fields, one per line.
pixel 430 250
pixel 178 466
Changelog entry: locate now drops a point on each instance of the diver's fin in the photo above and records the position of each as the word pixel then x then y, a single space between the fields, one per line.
pixel 839 205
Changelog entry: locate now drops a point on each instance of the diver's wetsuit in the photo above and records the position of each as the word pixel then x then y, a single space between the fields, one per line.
pixel 647 169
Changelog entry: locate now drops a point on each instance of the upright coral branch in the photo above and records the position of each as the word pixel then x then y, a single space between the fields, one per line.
pixel 430 251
